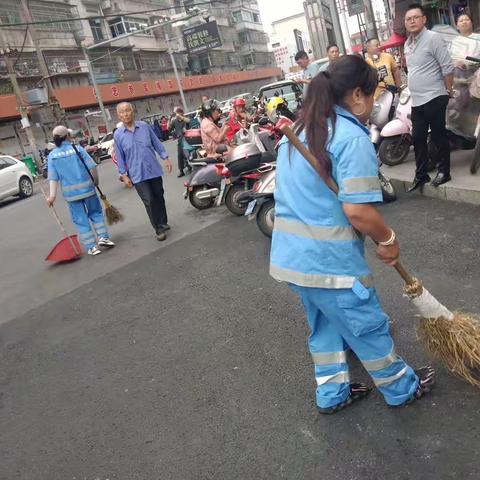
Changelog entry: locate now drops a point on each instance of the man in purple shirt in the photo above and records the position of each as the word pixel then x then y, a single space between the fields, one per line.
pixel 135 145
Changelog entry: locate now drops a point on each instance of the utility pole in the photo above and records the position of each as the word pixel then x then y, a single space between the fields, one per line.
pixel 32 32
pixel 105 114
pixel 175 70
pixel 120 37
pixel 22 107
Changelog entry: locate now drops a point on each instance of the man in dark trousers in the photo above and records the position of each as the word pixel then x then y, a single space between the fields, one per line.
pixel 179 123
pixel 430 79
pixel 136 146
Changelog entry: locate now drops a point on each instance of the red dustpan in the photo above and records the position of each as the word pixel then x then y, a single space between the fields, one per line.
pixel 65 250
pixel 68 248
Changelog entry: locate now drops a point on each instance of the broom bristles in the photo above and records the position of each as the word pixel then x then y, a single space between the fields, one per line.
pixel 112 213
pixel 456 342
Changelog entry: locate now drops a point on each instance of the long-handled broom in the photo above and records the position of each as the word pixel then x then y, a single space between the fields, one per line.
pixel 451 337
pixel 112 213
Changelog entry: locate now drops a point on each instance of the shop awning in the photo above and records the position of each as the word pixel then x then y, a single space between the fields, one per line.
pixel 357 48
pixel 395 40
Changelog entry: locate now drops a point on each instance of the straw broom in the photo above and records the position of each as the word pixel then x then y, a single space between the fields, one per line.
pixel 112 214
pixel 453 338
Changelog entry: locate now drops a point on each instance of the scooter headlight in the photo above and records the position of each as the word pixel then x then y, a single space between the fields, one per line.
pixel 404 96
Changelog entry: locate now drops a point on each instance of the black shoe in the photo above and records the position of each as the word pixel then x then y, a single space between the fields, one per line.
pixel 426 377
pixel 164 228
pixel 440 179
pixel 418 182
pixel 161 236
pixel 180 174
pixel 358 391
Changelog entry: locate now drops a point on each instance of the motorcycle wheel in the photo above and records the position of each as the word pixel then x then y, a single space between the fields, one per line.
pixel 265 217
pixel 388 191
pixel 199 203
pixel 392 151
pixel 476 158
pixel 231 200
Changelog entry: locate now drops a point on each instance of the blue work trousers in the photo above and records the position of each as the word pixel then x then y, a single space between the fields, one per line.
pixel 87 216
pixel 342 318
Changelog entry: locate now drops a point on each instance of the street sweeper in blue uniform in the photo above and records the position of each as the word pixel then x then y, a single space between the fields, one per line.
pixel 323 211
pixel 71 172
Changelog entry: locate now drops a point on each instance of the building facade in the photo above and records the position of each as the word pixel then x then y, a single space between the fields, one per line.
pixel 323 25
pixel 49 52
pixel 289 35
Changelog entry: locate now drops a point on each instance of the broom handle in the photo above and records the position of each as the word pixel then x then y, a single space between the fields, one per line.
pixel 297 143
pixel 407 278
pixel 60 224
pixel 102 196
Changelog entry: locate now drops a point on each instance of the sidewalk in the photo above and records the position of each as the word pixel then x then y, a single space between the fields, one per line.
pixel 464 186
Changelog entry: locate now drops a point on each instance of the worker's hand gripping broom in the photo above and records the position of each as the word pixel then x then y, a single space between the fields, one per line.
pixel 452 337
pixel 112 214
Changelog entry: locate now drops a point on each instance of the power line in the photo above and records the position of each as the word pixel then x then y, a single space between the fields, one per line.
pixel 108 15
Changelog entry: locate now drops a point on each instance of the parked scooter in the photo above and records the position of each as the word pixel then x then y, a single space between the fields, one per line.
pixel 209 184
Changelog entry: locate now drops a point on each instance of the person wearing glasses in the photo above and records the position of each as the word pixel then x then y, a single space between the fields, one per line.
pixel 430 80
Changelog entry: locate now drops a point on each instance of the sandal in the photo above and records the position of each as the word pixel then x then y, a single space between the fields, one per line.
pixel 426 376
pixel 357 392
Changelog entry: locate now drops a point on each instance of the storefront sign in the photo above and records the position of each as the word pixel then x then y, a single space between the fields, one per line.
pixel 202 38
pixel 355 7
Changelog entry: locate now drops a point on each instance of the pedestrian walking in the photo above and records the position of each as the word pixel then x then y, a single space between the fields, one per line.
pixel 430 80
pixel 387 68
pixel 179 124
pixel 318 240
pixel 333 52
pixel 136 146
pixel 68 170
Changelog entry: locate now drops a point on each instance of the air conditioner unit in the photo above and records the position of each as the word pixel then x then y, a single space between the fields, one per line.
pixel 36 96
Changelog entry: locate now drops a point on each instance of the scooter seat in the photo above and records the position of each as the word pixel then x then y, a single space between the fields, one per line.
pixel 201 162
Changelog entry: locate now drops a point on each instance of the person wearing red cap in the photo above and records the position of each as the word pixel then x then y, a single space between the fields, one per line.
pixel 238 118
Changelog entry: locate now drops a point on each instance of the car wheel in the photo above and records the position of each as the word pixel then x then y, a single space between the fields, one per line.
pixel 25 187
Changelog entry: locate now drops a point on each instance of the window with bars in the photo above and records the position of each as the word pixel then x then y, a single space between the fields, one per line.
pixel 47 11
pixel 121 25
pixel 97 29
pixel 9 12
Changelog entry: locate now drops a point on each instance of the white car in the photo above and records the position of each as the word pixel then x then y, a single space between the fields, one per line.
pixel 105 145
pixel 15 178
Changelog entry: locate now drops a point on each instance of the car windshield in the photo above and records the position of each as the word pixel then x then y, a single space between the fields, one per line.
pixel 107 137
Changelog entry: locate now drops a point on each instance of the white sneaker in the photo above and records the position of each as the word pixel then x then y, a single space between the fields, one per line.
pixel 94 251
pixel 105 242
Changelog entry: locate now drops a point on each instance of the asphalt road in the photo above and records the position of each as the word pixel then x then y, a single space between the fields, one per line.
pixel 190 363
pixel 29 232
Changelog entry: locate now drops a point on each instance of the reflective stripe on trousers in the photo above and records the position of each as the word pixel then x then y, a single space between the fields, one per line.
pixel 338 319
pixel 83 212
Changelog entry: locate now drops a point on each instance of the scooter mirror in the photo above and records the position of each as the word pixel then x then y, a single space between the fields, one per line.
pixel 221 149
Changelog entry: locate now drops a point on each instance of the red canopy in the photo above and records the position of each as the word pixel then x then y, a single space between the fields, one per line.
pixel 395 40
pixel 357 48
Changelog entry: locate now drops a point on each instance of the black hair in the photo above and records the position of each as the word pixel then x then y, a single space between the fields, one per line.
pixel 331 46
pixel 463 14
pixel 417 6
pixel 58 140
pixel 301 54
pixel 326 90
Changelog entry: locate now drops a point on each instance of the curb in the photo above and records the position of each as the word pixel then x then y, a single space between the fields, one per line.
pixel 444 192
